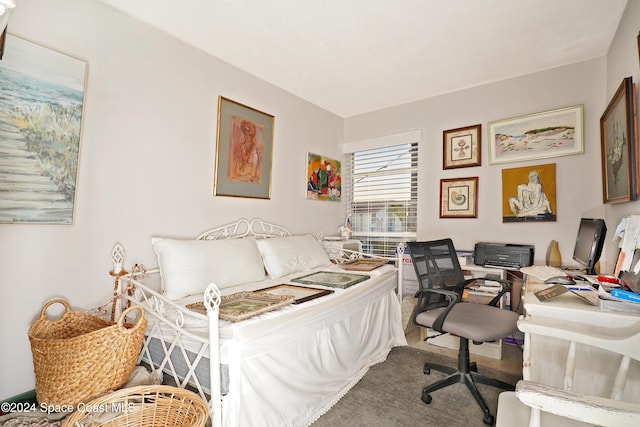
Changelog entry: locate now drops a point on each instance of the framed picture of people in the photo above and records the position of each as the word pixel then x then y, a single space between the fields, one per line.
pixel 529 194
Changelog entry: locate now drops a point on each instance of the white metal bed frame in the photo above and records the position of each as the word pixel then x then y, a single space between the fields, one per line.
pixel 137 292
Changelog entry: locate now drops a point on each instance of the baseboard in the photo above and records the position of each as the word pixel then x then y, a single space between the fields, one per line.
pixel 26 397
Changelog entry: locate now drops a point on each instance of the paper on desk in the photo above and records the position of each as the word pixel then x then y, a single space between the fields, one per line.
pixel 629 243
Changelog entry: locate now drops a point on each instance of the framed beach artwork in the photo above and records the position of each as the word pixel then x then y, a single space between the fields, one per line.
pixel 537 136
pixel 244 151
pixel 529 194
pixel 619 150
pixel 41 106
pixel 324 178
pixel 459 198
pixel 461 147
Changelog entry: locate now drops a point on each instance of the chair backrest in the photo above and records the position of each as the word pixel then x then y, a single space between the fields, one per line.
pixel 436 264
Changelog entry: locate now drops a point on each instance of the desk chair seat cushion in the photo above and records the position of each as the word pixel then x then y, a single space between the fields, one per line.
pixel 476 322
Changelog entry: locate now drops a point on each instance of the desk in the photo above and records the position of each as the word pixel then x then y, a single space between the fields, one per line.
pixel 594 371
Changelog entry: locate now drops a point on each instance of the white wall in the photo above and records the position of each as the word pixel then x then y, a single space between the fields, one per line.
pixel 623 61
pixel 146 164
pixel 578 177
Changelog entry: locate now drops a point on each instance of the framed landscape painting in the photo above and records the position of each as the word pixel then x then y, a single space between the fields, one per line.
pixel 41 105
pixel 244 151
pixel 537 136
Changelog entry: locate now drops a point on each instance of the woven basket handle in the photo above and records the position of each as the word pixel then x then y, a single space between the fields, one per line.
pixel 43 312
pixel 124 314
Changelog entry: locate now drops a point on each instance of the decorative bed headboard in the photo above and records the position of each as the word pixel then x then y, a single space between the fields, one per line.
pixel 241 228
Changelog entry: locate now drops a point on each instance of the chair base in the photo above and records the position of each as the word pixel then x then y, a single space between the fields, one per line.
pixel 466 373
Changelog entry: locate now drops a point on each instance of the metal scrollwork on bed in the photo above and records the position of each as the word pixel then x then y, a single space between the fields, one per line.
pixel 191 357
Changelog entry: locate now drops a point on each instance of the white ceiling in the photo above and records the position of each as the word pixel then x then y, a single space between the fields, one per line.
pixel 355 56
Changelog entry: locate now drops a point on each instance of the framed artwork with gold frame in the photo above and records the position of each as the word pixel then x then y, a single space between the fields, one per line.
pixel 244 151
pixel 459 198
pixel 529 193
pixel 461 147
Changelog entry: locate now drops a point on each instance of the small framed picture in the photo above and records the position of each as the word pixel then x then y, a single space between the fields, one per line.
pixel 459 198
pixel 461 147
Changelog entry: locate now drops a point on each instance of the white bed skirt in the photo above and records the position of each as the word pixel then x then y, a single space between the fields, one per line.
pixel 310 382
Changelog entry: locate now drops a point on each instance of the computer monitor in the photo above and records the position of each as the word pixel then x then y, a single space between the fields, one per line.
pixel 589 243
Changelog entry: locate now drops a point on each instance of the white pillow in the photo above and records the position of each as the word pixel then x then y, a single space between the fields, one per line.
pixel 187 267
pixel 292 254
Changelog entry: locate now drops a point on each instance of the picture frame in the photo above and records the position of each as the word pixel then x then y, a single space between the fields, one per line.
pixel 459 197
pixel 541 135
pixel 461 147
pixel 324 178
pixel 363 264
pixel 619 146
pixel 529 194
pixel 45 101
pixel 332 279
pixel 244 151
pixel 243 305
pixel 300 293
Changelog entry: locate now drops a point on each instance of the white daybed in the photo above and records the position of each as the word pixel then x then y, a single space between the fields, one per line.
pixel 281 368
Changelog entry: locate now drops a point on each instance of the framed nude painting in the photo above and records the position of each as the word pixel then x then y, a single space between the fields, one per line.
pixel 529 194
pixel 244 151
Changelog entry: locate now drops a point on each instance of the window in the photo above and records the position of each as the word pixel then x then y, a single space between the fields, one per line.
pixel 382 193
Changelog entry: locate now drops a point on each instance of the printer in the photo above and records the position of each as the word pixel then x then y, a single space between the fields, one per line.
pixel 503 255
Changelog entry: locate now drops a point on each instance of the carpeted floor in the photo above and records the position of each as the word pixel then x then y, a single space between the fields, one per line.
pixel 389 396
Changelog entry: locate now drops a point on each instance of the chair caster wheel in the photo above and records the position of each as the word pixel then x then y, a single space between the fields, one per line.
pixel 426 371
pixel 426 398
pixel 473 366
pixel 488 419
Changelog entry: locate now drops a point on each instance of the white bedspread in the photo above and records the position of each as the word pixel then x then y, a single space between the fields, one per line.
pixel 288 367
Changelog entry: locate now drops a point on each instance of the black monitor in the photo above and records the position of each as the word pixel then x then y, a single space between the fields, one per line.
pixel 589 243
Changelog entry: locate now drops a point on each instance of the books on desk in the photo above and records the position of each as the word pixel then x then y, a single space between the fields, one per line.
pixel 551 292
pixel 625 296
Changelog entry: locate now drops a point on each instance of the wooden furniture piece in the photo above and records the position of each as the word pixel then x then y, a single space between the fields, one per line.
pixel 577 358
pixel 538 404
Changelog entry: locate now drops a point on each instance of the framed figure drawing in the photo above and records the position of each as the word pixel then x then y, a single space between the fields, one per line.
pixel 459 198
pixel 461 147
pixel 244 151
pixel 529 194
pixel 619 149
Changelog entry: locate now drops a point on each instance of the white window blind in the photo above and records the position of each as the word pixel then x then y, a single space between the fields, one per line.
pixel 381 197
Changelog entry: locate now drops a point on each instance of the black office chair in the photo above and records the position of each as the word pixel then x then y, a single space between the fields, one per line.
pixel 440 308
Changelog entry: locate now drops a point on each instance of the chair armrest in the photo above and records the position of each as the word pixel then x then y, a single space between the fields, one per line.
pixel 504 287
pixel 453 298
pixel 577 406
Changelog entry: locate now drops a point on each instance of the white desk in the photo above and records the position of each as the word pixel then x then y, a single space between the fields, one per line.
pixel 595 371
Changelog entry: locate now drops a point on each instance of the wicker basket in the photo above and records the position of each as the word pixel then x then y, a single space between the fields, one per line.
pixel 80 356
pixel 142 406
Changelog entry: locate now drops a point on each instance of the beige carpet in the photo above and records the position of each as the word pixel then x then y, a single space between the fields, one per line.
pixel 389 396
